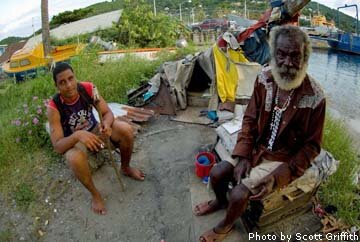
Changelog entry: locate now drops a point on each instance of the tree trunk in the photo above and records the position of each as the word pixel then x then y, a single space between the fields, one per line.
pixel 45 27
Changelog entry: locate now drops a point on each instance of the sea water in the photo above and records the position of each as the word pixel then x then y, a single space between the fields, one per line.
pixel 339 75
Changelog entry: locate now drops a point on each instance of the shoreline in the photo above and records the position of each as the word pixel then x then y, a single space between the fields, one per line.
pixel 352 127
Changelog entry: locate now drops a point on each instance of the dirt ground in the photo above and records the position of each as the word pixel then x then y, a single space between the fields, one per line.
pixel 158 208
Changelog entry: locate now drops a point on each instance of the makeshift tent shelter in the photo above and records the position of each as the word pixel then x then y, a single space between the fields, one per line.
pixel 206 73
pixel 224 74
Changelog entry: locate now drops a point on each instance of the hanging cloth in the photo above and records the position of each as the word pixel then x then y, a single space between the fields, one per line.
pixel 226 72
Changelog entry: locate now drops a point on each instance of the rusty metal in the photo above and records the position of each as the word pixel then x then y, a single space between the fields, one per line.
pixel 137 114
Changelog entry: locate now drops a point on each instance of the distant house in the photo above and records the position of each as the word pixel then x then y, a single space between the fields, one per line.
pixel 9 51
pixel 305 18
pixel 2 49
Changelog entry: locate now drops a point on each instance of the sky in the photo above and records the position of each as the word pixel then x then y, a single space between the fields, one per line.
pixel 339 3
pixel 21 18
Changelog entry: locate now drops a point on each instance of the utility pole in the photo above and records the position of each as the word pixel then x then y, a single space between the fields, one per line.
pixel 45 27
pixel 245 12
pixel 193 15
pixel 188 1
pixel 154 7
pixel 180 12
pixel 33 27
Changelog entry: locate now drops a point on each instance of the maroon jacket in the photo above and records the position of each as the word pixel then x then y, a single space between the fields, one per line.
pixel 300 131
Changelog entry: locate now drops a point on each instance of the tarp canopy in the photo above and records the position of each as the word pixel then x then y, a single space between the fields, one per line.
pixel 204 72
pixel 225 72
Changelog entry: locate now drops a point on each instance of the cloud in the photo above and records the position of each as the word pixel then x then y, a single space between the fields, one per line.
pixel 18 16
pixel 17 19
pixel 23 24
pixel 339 3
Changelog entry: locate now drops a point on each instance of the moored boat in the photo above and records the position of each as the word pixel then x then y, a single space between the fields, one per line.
pixel 348 42
pixel 146 53
pixel 27 63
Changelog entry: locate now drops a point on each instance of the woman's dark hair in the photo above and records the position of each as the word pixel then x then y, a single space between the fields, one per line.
pixel 60 67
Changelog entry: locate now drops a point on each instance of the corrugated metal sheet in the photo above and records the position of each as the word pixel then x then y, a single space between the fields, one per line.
pixel 130 115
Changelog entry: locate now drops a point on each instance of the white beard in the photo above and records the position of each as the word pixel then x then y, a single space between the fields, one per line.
pixel 291 82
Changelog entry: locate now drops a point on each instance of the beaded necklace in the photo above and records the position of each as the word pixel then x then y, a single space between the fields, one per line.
pixel 276 117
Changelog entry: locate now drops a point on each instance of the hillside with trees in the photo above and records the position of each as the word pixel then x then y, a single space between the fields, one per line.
pixel 347 23
pixel 196 11
pixel 12 39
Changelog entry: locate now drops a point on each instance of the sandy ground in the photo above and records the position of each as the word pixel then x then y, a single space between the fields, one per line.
pixel 158 208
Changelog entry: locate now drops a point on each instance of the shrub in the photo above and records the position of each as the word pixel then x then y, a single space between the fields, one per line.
pixel 31 122
pixel 340 190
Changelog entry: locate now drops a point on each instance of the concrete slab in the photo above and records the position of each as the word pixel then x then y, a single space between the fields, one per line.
pixel 201 192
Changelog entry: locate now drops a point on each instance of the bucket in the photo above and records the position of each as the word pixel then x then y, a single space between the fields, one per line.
pixel 204 161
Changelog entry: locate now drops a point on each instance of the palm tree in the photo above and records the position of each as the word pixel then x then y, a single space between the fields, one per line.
pixel 45 27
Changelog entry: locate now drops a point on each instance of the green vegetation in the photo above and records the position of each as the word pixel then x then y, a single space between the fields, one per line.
pixel 340 189
pixel 69 16
pixel 208 9
pixel 24 195
pixel 11 39
pixel 6 236
pixel 22 162
pixel 347 23
pixel 27 160
pixel 104 7
pixel 139 27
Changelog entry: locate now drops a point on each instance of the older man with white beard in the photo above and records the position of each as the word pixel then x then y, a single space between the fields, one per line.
pixel 280 136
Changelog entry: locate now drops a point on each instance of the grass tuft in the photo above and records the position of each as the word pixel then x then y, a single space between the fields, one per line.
pixel 24 195
pixel 341 189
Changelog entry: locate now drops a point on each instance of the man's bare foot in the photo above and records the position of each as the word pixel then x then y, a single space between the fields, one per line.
pixel 98 205
pixel 213 235
pixel 134 173
pixel 207 207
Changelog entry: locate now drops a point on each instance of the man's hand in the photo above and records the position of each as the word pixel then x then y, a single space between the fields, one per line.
pixel 280 177
pixel 265 187
pixel 242 169
pixel 297 170
pixel 105 129
pixel 90 140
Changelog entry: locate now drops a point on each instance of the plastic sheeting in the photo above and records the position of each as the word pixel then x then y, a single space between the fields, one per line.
pixel 321 168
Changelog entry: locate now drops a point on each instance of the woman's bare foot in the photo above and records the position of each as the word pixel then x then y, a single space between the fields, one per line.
pixel 98 205
pixel 207 207
pixel 134 173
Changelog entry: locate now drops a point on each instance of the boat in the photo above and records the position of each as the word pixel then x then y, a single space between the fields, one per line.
pixel 26 63
pixel 146 53
pixel 346 41
pixel 320 26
